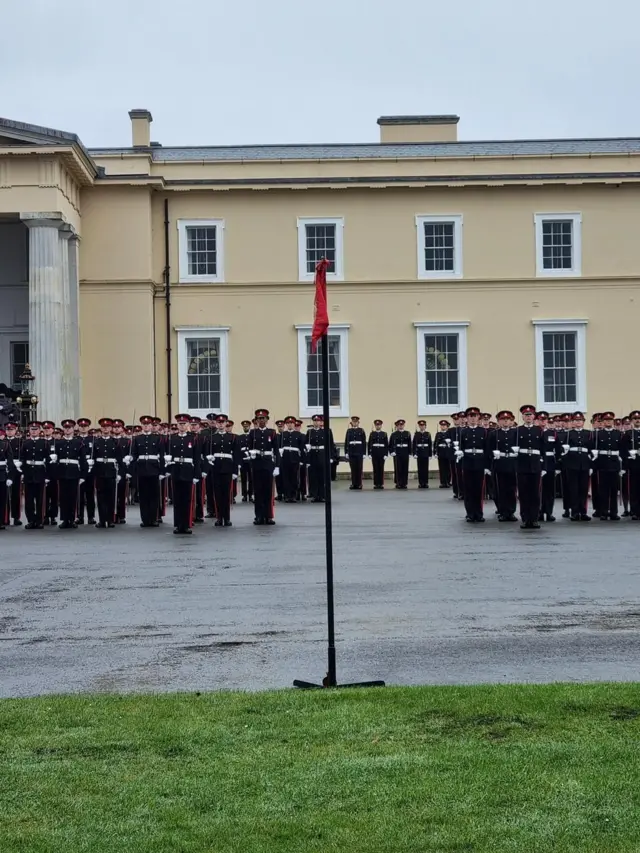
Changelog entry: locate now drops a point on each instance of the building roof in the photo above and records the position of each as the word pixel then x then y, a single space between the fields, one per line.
pixel 393 151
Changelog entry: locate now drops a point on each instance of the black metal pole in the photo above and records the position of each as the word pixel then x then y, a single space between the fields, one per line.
pixel 332 680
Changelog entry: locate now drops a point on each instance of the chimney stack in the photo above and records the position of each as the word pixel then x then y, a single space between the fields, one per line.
pixel 140 128
pixel 407 129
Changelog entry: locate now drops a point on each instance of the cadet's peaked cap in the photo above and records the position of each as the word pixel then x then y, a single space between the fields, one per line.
pixel 444 423
pixel 634 414
pixel 48 425
pixel 279 423
pixel 67 422
pixel 211 416
pixel 290 419
pixel 486 415
pixel 378 421
pixel 221 418
pixel 35 424
pixel 527 409
pixel 146 419
pixel 544 415
pixel 82 422
pixel 422 423
pixel 505 413
pixel 578 416
pixel 230 422
pixel 105 422
pixel 182 418
pixel 607 416
pixel 118 422
pixel 317 418
pixel 261 413
pixel 399 421
pixel 472 410
pixel 194 419
pixel 245 422
pixel 157 420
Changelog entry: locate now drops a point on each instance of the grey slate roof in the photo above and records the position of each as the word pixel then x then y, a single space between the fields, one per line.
pixel 40 134
pixel 373 151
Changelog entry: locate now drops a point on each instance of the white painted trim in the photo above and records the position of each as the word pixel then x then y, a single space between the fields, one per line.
pixel 580 327
pixel 342 331
pixel 576 249
pixel 183 265
pixel 303 221
pixel 185 333
pixel 446 328
pixel 423 272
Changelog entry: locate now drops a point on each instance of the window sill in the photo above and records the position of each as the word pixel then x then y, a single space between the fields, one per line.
pixel 200 279
pixel 439 276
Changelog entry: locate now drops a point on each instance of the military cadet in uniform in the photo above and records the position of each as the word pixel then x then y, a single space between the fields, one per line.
pixel 147 461
pixel 564 423
pixel 183 456
pixel 453 442
pixel 485 423
pixel 316 450
pixel 15 501
pixel 400 450
pixel 504 467
pixel 527 442
pixel 51 491
pixel 624 426
pixel 292 451
pixel 223 458
pixel 631 446
pixel 123 443
pixel 606 455
pixel 205 439
pixel 472 453
pixel 87 489
pixel 378 450
pixel 442 452
pixel 595 428
pixel 7 472
pixel 279 490
pixel 245 463
pixel 302 478
pixel 551 453
pixel 70 457
pixel 577 462
pixel 355 449
pixel 422 449
pixel 262 445
pixel 34 459
pixel 107 465
pixel 199 436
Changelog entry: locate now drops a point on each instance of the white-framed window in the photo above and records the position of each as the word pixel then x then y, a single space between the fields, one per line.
pixel 19 354
pixel 203 369
pixel 317 239
pixel 442 367
pixel 561 364
pixel 200 250
pixel 439 246
pixel 558 244
pixel 310 392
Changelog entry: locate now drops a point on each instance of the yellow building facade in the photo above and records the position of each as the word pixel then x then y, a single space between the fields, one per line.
pixel 154 279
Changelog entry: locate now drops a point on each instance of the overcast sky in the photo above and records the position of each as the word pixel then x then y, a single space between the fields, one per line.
pixel 253 71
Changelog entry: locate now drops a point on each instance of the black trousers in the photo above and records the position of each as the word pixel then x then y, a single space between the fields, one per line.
pixel 149 497
pixel 423 471
pixel 200 499
pixel 566 491
pixel 279 486
pixel 595 492
pixel 69 496
pixel 184 498
pixel 548 493
pixel 246 480
pixel 506 493
pixel 608 485
pixel 634 491
pixel 222 491
pixel 624 491
pixel 578 483
pixel 34 502
pixel 87 498
pixel 51 509
pixel 263 493
pixel 378 470
pixel 529 494
pixel 355 464
pixel 15 500
pixel 121 499
pixel 316 475
pixel 289 471
pixel 473 492
pixel 106 499
pixel 444 469
pixel 4 504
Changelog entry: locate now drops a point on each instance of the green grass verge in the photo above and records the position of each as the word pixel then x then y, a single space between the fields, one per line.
pixel 507 768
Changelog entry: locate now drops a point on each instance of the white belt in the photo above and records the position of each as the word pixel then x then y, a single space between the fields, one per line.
pixel 34 462
pixel 528 451
pixel 377 445
pixel 355 442
pixel 549 453
pixel 316 447
pixel 262 452
pixel 474 451
pixel 185 460
pixel 62 462
pixel 580 449
pixel 222 456
pixel 294 449
pixel 608 453
pixel 402 445
pixel 153 458
pixel 3 464
pixel 507 455
pixel 102 459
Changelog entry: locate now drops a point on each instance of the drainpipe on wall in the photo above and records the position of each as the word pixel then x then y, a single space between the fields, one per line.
pixel 167 301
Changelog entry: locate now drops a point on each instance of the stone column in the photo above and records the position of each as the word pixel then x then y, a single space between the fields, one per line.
pixel 74 336
pixel 49 313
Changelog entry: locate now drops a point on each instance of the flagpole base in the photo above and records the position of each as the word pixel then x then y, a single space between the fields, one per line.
pixel 309 685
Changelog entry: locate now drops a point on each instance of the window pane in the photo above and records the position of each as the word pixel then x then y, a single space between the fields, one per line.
pixel 439 249
pixel 19 360
pixel 321 243
pixel 559 375
pixel 441 369
pixel 314 373
pixel 202 256
pixel 557 244
pixel 203 373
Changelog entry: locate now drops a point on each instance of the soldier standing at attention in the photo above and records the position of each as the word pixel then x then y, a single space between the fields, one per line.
pixel 223 457
pixel 504 467
pixel 452 441
pixel 107 465
pixel 15 502
pixel 195 430
pixel 631 446
pixel 316 450
pixel 606 455
pixel 400 449
pixel 624 426
pixel 422 449
pixel 148 464
pixel 596 424
pixel 291 446
pixel 51 492
pixel 246 486
pixel 550 455
pixel 302 479
pixel 234 484
pixel 378 450
pixel 34 460
pixel 70 457
pixel 87 489
pixel 123 443
pixel 185 461
pixel 355 449
pixel 577 461
pixel 472 453
pixel 527 442
pixel 262 445
pixel 279 489
pixel 443 454
pixel 7 472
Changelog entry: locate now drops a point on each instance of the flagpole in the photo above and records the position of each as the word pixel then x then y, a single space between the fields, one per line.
pixel 331 679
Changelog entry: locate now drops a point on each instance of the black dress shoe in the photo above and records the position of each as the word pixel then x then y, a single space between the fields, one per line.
pixel 210 515
pixel 258 521
pixel 511 518
pixel 603 517
pixel 64 525
pixel 228 524
pixel 218 523
pixel 480 519
pixel 101 525
pixel 17 522
pixel 635 518
pixel 535 525
pixel 176 530
pixel 46 522
pixel 244 500
pixel 626 513
pixel 2 527
pixel 551 518
pixel 198 520
pixel 270 522
pixel 575 517
pixel 584 518
pixel 111 524
pixel 524 525
pixel 79 520
pixel 122 521
pixel 615 518
pixel 29 526
pixel 155 523
pixel 566 514
pixel 91 521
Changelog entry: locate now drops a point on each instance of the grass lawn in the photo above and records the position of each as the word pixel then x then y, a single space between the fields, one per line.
pixel 507 768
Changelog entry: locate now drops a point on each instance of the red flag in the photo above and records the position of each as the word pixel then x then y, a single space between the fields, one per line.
pixel 320 313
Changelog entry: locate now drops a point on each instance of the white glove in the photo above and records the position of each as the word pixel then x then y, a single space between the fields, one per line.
pixel 622 473
pixel 392 454
pixel 590 471
pixel 128 460
pixel 80 482
pixel 118 478
pixel 515 448
pixel 633 453
pixel 496 454
pixel 565 448
pixel 276 472
pixel 90 463
pixel 10 482
pixel 211 458
pixel 459 455
pixel 203 475
pixel 542 473
pixel 195 482
pixel 53 457
pixel 447 441
pixel 167 459
pixel 235 477
pixel 128 476
pixel 558 472
pixel 161 477
pixel 18 464
pixel 487 472
pixel 253 453
pixel 594 454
